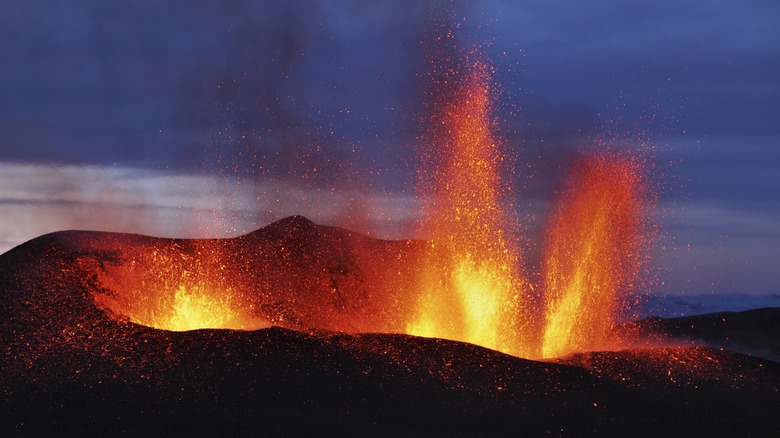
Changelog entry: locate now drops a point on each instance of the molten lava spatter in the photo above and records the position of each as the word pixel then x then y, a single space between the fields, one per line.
pixel 592 254
pixel 471 284
pixel 467 284
pixel 472 287
pixel 164 289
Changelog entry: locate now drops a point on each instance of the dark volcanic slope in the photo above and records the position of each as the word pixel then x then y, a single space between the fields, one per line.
pixel 70 368
pixel 754 332
pixel 291 273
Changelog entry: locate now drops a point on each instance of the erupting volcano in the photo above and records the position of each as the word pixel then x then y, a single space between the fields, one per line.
pixel 468 283
pixel 473 283
pixel 324 329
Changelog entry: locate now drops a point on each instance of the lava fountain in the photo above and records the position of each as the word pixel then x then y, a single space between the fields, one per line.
pixel 468 283
pixel 167 289
pixel 472 285
pixel 593 254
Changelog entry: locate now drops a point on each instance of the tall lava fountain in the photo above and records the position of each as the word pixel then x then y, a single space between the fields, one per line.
pixel 593 254
pixel 473 287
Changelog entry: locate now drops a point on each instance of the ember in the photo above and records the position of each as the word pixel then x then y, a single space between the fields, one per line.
pixel 593 254
pixel 473 285
pixel 472 289
pixel 166 289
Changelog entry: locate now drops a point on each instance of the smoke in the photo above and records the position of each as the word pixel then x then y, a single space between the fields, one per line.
pixel 269 101
pixel 202 118
pixel 38 199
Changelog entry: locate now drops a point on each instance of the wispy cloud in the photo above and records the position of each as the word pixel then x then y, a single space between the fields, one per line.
pixel 38 199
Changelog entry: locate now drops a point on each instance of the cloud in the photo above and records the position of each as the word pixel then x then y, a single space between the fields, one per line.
pixel 39 199
pixel 179 85
pixel 235 113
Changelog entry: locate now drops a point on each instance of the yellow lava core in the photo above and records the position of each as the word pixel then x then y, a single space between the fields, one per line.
pixel 470 286
pixel 163 290
pixel 196 307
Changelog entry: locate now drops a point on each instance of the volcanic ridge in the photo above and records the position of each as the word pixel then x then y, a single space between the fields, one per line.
pixel 94 338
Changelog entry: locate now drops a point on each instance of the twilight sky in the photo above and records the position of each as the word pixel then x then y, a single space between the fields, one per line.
pixel 213 118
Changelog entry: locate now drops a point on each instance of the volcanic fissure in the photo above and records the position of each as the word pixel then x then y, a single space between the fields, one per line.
pixel 468 282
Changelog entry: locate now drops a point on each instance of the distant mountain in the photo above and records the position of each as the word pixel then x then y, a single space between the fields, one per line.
pixel 754 332
pixel 671 306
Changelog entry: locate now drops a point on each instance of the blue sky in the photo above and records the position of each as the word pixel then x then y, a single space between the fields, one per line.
pixel 194 118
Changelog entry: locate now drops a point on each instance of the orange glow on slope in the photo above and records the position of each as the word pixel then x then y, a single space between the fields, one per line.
pixel 466 284
pixel 470 284
pixel 592 254
pixel 166 290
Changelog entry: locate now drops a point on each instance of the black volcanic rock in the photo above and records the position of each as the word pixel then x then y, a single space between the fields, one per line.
pixel 754 332
pixel 70 367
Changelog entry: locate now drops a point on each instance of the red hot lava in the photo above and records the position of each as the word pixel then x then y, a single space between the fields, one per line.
pixel 473 287
pixel 469 283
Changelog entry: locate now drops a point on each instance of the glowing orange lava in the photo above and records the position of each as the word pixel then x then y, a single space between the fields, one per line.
pixel 471 287
pixel 468 283
pixel 592 254
pixel 164 289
